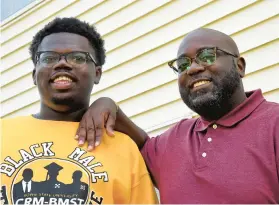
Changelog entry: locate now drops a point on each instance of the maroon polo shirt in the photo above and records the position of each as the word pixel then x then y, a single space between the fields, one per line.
pixel 232 160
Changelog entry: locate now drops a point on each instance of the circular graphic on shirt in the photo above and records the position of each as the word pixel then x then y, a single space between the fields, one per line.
pixel 50 181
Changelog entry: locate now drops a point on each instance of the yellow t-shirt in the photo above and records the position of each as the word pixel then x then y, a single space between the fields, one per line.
pixel 42 164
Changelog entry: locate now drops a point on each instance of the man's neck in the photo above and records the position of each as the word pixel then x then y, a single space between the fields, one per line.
pixel 46 113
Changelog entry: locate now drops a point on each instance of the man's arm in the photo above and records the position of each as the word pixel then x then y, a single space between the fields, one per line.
pixel 102 115
pixel 125 125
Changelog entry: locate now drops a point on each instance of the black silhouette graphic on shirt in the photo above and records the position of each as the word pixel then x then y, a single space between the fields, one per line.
pixel 51 187
pixel 78 187
pixel 26 185
pixel 3 195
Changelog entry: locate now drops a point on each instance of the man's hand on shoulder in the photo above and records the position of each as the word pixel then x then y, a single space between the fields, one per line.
pixel 100 116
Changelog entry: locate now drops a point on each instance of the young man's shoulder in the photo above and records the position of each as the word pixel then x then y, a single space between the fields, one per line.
pixel 122 140
pixel 15 120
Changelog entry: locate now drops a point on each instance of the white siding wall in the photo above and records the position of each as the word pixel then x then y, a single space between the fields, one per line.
pixel 141 36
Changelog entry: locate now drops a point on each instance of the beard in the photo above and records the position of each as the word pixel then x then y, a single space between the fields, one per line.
pixel 215 103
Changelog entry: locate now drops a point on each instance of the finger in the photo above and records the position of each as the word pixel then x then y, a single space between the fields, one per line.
pixel 99 125
pixel 110 123
pixel 82 132
pixel 99 134
pixel 82 136
pixel 90 130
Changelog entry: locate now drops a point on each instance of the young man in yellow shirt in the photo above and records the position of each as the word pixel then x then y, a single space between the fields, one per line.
pixel 45 166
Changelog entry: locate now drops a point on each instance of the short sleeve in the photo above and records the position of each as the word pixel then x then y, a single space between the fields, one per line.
pixel 153 151
pixel 143 190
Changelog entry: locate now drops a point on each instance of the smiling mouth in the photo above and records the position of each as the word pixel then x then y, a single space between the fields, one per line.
pixel 200 83
pixel 62 83
pixel 62 80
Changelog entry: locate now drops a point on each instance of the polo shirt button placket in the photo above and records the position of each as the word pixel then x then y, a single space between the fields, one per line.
pixel 214 126
pixel 209 139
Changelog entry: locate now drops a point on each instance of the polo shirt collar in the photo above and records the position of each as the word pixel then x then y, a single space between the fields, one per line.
pixel 254 99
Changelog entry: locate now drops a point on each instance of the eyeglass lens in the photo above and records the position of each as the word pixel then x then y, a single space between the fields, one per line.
pixel 74 58
pixel 205 57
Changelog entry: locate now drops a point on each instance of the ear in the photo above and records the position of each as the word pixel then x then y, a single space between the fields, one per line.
pixel 34 76
pixel 241 65
pixel 98 74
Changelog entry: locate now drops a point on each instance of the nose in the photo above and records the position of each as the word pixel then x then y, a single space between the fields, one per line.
pixel 62 64
pixel 195 68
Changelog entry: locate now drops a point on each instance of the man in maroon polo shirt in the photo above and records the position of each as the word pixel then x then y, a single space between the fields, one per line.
pixel 228 155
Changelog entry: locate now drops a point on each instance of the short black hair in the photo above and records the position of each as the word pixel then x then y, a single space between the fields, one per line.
pixel 70 25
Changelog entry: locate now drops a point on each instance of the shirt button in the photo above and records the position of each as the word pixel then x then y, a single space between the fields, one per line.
pixel 214 126
pixel 204 154
pixel 209 139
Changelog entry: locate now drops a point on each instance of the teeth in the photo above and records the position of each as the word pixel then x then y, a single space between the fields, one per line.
pixel 62 78
pixel 200 83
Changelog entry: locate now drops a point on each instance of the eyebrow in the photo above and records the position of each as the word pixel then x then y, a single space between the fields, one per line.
pixel 183 55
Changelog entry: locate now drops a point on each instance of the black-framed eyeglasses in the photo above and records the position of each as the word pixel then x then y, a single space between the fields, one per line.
pixel 75 58
pixel 204 57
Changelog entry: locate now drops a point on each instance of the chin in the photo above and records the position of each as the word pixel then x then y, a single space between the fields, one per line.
pixel 68 103
pixel 201 100
pixel 205 100
pixel 62 100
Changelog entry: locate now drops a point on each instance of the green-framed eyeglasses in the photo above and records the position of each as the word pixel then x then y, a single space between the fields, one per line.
pixel 204 57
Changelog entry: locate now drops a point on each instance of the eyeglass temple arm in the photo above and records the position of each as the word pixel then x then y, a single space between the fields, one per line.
pixel 170 65
pixel 228 53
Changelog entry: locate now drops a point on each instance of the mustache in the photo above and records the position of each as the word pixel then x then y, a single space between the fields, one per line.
pixel 198 77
